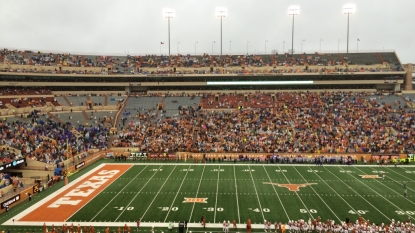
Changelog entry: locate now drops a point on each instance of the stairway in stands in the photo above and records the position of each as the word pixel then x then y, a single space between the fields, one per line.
pixel 342 59
pixel 162 103
pixel 67 100
pixel 383 61
pixel 106 100
pixel 114 123
pixel 85 115
pixel 51 116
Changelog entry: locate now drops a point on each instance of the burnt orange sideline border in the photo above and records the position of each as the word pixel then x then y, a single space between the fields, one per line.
pixel 51 211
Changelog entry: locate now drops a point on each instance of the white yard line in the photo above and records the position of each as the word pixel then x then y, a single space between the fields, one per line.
pixel 138 193
pixel 184 178
pixel 236 193
pixel 298 195
pixel 165 181
pixel 357 192
pixel 194 203
pixel 257 196
pixel 275 190
pixel 398 181
pixel 70 185
pixel 216 201
pixel 387 188
pixel 401 174
pixel 115 195
pixel 97 194
pixel 335 191
pixel 318 195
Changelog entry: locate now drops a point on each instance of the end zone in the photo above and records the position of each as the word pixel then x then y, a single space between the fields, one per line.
pixel 65 202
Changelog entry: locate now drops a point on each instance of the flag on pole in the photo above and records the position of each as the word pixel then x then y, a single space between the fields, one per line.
pixel 161 42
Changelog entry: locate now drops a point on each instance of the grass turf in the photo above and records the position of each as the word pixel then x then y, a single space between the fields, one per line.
pixel 156 193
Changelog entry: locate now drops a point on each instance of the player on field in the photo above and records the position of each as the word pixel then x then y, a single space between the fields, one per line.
pixel 383 175
pixel 224 226
pixel 227 224
pixel 404 184
pixel 248 225
pixel 405 192
pixel 204 222
pixel 138 224
pixel 44 227
pixel 265 225
pixel 234 224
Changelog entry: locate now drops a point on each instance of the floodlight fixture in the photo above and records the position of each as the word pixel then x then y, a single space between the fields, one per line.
pixel 293 10
pixel 169 13
pixel 221 12
pixel 348 9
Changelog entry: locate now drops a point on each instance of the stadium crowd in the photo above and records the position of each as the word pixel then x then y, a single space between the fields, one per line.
pixel 330 123
pixel 48 141
pixel 317 225
pixel 38 62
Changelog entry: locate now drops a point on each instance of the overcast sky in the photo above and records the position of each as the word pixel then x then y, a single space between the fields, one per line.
pixel 138 27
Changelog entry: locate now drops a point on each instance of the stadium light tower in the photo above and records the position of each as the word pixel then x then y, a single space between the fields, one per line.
pixel 293 10
pixel 221 12
pixel 169 13
pixel 348 9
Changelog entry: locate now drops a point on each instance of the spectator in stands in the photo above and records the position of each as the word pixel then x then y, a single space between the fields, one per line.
pixel 337 122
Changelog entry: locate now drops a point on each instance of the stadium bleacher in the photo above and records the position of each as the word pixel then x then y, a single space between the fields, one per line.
pixel 65 63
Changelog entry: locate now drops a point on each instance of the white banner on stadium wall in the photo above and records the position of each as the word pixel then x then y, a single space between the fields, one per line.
pixel 110 154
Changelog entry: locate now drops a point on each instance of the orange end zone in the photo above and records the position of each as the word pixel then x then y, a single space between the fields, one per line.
pixel 65 204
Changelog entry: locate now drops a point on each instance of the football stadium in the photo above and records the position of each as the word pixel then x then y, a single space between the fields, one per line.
pixel 277 142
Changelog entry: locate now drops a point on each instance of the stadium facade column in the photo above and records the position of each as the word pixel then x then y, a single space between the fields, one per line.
pixel 408 79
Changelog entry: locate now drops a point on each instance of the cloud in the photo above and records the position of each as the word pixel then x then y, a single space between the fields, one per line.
pixel 137 27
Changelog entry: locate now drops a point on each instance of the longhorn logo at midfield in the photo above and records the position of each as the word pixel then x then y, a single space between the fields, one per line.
pixel 195 200
pixel 370 176
pixel 291 187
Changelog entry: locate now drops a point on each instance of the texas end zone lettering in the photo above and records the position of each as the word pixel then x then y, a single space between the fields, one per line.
pixel 74 197
pixel 64 204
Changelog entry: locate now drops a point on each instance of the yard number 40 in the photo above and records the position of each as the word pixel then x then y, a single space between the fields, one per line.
pixel 358 212
pixel 313 211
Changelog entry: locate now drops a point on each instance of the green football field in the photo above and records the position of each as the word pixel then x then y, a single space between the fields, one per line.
pixel 177 192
